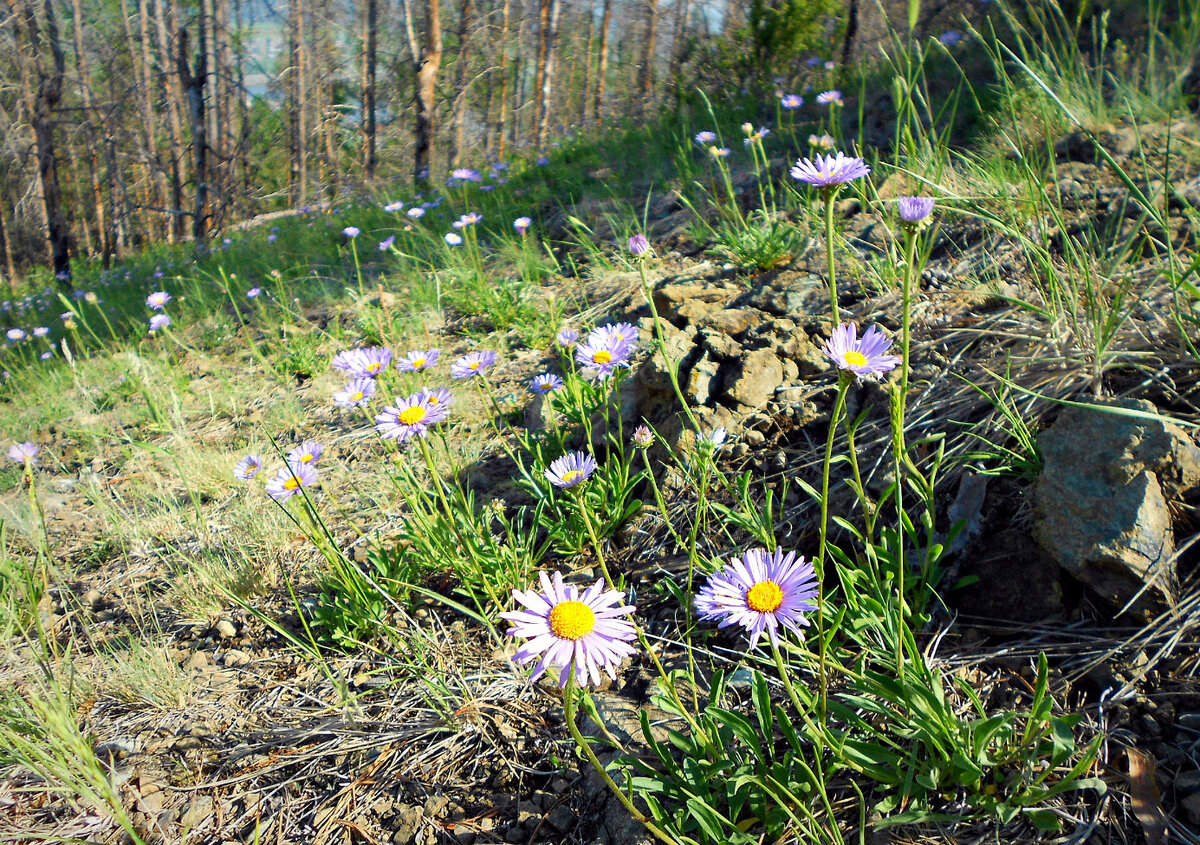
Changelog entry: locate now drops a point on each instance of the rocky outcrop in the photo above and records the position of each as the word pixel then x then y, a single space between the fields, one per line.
pixel 1102 500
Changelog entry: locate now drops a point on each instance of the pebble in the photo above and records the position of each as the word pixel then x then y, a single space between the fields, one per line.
pixel 225 629
pixel 235 657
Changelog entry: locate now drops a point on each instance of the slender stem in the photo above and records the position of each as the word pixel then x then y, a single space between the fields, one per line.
pixel 586 748
pixel 819 563
pixel 801 710
pixel 833 296
pixel 641 633
pixel 661 502
pixel 357 266
pixel 863 499
pixel 898 446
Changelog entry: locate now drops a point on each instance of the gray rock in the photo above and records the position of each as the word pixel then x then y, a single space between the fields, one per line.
pixel 702 382
pixel 225 629
pixel 1101 501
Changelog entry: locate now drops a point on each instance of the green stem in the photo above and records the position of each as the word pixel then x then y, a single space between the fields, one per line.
pixel 586 748
pixel 641 633
pixel 832 265
pixel 819 563
pixel 672 365
pixel 898 445
pixel 801 710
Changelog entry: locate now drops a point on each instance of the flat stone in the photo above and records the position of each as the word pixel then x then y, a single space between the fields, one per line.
pixel 757 376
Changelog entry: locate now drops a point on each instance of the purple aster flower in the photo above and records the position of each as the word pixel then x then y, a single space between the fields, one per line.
pixel 289 481
pixel 639 245
pixel 472 364
pixel 306 453
pixel 950 37
pixel 830 171
pixel 522 224
pixel 15 334
pixel 830 98
pixel 417 360
pixel 435 397
pixel 158 300
pixel 466 174
pixel 571 469
pixel 622 332
pixel 823 142
pixel 752 136
pixel 791 101
pixel 761 592
pixel 915 209
pixel 41 331
pixel 47 355
pixel 247 467
pixel 716 438
pixel 545 383
pixel 271 238
pixel 394 206
pixel 159 321
pixel 453 238
pixel 352 231
pixel 367 362
pixel 604 352
pixel 23 452
pixel 584 633
pixel 357 393
pixel 567 337
pixel 866 357
pixel 386 243
pixel 705 137
pixel 416 212
pixel 813 61
pixel 410 418
pixel 643 437
pixel 719 152
pixel 542 161
pixel 253 293
pixel 469 219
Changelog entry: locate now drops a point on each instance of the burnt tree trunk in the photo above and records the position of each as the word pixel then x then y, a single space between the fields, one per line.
pixel 460 82
pixel 426 61
pixel 646 82
pixel 43 93
pixel 299 173
pixel 545 94
pixel 193 86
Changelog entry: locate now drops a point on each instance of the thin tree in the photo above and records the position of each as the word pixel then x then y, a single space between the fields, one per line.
pixel 172 94
pixel 543 126
pixel 460 82
pixel 41 84
pixel 368 97
pixel 426 61
pixel 90 114
pixel 646 82
pixel 193 85
pixel 298 106
pixel 602 70
pixel 502 118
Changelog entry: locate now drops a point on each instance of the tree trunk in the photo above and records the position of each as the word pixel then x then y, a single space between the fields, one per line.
pixel 602 70
pixel 149 112
pixel 426 62
pixel 6 247
pixel 539 71
pixel 588 77
pixel 369 88
pixel 299 174
pixel 678 39
pixel 543 126
pixel 460 82
pixel 41 103
pixel 89 130
pixel 646 83
pixel 502 118
pixel 193 85
pixel 172 95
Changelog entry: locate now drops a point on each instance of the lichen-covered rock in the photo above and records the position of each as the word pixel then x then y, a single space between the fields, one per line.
pixel 1101 500
pixel 755 378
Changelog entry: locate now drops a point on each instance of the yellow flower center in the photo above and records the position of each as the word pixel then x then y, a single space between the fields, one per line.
pixel 356 396
pixel 419 362
pixel 764 597
pixel 373 367
pixel 855 359
pixel 306 457
pixel 413 415
pixel 602 357
pixel 572 620
pixel 291 484
pixel 474 365
pixel 571 476
pixel 431 400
